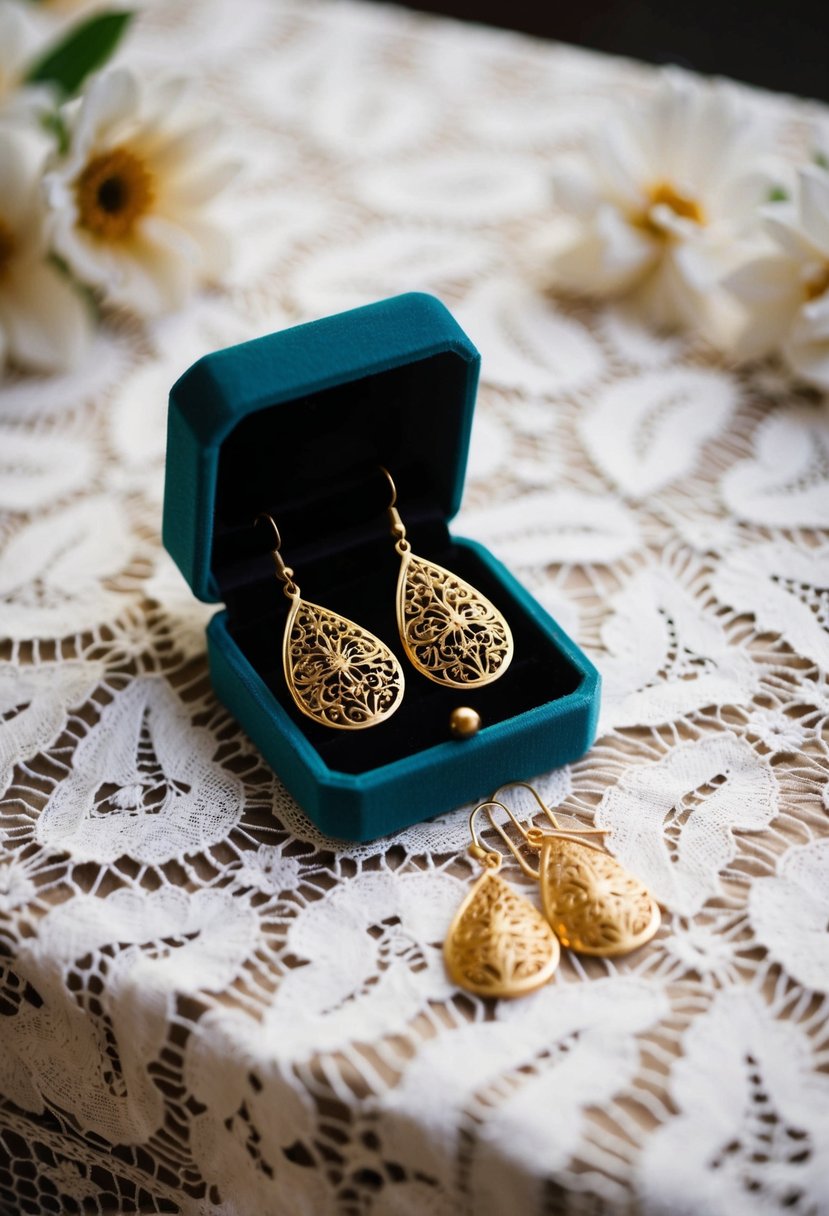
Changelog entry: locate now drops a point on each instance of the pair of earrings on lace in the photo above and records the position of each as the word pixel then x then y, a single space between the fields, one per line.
pixel 500 945
pixel 342 676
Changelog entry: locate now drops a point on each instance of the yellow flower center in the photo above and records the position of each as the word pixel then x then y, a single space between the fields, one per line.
pixel 663 194
pixel 6 246
pixel 113 192
pixel 816 286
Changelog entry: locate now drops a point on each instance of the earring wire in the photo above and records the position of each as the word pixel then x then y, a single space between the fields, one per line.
pixel 284 573
pixel 533 836
pixel 398 528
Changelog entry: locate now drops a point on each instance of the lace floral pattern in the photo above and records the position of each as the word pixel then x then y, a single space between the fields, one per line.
pixel 205 1007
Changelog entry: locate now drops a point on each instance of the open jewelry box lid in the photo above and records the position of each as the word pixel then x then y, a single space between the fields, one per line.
pixel 297 424
pixel 284 421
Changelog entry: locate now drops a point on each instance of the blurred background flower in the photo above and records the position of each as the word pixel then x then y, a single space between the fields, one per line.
pixel 130 197
pixel 666 207
pixel 784 290
pixel 107 184
pixel 661 202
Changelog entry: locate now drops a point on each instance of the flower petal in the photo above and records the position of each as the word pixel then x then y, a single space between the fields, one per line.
pixel 665 299
pixel 172 149
pixel 766 279
pixel 20 165
pixel 808 356
pixel 668 221
pixel 815 314
pixel 782 223
pixel 706 261
pixel 627 248
pixel 160 105
pixel 93 262
pixel 215 245
pixel 151 273
pixel 109 103
pixel 737 202
pixel 154 277
pixel 604 258
pixel 622 170
pixel 574 187
pixel 769 290
pixel 16 41
pixel 200 186
pixel 47 324
pixel 814 206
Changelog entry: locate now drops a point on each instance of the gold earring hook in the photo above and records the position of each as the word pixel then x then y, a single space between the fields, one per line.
pixel 284 573
pixel 533 836
pixel 264 516
pixel 398 529
pixel 541 803
pixel 490 858
pixel 496 827
pixel 392 486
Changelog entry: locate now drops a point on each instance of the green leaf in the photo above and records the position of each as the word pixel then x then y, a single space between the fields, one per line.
pixel 822 159
pixel 84 49
pixel 777 195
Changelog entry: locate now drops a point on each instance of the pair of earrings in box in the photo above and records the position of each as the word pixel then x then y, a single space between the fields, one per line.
pixel 500 945
pixel 342 676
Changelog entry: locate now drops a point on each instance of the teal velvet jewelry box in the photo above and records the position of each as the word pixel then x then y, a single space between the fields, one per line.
pixel 297 424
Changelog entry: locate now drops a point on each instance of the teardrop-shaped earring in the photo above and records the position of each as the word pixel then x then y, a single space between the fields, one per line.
pixel 592 903
pixel 451 633
pixel 498 944
pixel 338 673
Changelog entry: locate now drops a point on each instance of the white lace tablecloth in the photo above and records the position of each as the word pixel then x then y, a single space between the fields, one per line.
pixel 207 1008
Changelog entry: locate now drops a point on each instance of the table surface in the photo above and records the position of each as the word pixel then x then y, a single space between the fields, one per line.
pixel 207 1008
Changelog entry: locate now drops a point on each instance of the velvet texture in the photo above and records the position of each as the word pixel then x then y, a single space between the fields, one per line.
pixel 297 425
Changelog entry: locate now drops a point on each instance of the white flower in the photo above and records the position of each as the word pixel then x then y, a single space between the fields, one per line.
pixel 130 198
pixel 43 321
pixel 785 290
pixel 776 730
pixel 659 203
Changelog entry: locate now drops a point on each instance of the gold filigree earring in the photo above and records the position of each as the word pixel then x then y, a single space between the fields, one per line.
pixel 451 633
pixel 498 944
pixel 592 903
pixel 338 673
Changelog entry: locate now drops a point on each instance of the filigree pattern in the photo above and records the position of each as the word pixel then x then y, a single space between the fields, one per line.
pixel 498 943
pixel 451 632
pixel 594 905
pixel 339 674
